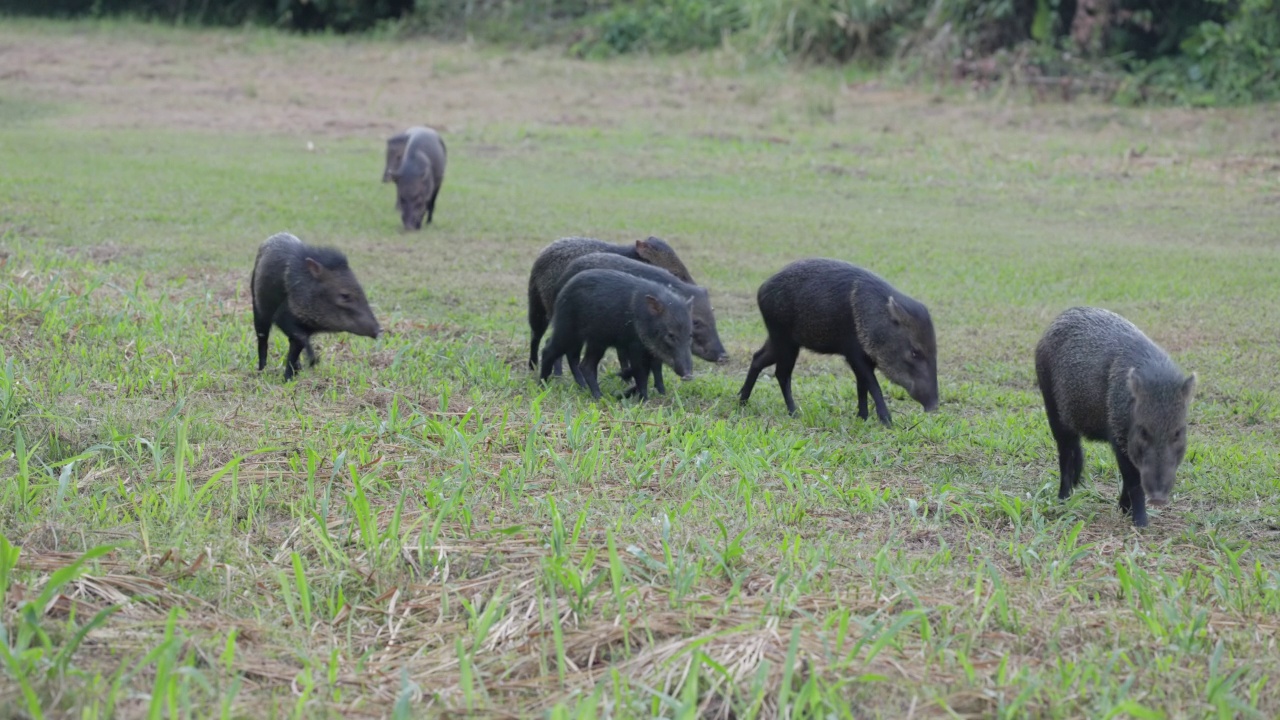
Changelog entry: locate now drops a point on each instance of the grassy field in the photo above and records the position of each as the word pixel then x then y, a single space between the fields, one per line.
pixel 417 527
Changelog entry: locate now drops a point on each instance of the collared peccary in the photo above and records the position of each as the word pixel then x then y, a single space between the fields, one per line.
pixel 305 290
pixel 1103 379
pixel 554 258
pixel 415 161
pixel 706 341
pixel 644 321
pixel 832 307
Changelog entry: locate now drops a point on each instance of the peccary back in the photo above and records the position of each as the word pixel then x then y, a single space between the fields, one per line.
pixel 833 307
pixel 644 321
pixel 706 340
pixel 305 290
pixel 1103 379
pixel 415 162
pixel 555 258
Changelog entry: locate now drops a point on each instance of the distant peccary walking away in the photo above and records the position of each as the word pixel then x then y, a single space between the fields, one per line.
pixel 415 161
pixel 1103 379
pixel 706 341
pixel 644 321
pixel 305 290
pixel 555 258
pixel 832 307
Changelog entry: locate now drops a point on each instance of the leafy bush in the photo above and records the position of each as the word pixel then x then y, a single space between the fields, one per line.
pixel 1229 63
pixel 661 26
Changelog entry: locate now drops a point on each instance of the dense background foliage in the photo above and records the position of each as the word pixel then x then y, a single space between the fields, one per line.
pixel 1200 52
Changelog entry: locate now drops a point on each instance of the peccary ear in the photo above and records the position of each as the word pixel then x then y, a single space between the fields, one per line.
pixel 642 248
pixel 315 268
pixel 1134 382
pixel 896 313
pixel 655 305
pixel 1189 387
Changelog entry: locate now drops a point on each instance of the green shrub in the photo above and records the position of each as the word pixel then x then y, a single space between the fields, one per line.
pixel 1228 62
pixel 661 26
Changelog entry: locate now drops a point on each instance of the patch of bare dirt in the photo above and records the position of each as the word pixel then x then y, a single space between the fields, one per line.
pixel 226 81
pixel 248 81
pixel 103 254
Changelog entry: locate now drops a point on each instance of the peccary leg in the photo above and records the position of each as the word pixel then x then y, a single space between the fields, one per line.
pixel 640 367
pixel 571 358
pixel 1070 454
pixel 299 340
pixel 658 385
pixel 786 363
pixel 1070 463
pixel 262 326
pixel 1132 500
pixel 763 358
pixel 590 366
pixel 550 354
pixel 862 397
pixel 292 365
pixel 866 377
pixel 538 322
pixel 431 204
pixel 311 353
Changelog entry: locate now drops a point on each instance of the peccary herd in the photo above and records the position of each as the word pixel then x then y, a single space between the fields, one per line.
pixel 1101 378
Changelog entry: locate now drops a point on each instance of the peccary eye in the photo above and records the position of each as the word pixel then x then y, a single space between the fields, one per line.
pixel 344 297
pixel 916 355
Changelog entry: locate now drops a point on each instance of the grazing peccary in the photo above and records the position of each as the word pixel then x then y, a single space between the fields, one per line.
pixel 305 290
pixel 706 341
pixel 1103 379
pixel 832 307
pixel 415 161
pixel 644 321
pixel 554 258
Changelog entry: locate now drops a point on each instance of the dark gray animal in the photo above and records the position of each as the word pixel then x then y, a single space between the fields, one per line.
pixel 415 161
pixel 305 290
pixel 706 341
pixel 554 258
pixel 601 309
pixel 1103 379
pixel 832 307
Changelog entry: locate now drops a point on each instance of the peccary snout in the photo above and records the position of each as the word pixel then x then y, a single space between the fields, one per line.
pixel 706 339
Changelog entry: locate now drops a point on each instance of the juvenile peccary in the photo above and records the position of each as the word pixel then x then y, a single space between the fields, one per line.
pixel 415 161
pixel 832 307
pixel 706 341
pixel 644 321
pixel 305 290
pixel 1103 379
pixel 554 258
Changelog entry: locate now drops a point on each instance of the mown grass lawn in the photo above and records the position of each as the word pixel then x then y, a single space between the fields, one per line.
pixel 417 527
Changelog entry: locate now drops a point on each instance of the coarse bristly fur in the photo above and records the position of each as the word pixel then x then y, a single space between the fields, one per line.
pixel 835 308
pixel 645 322
pixel 706 339
pixel 1103 379
pixel 416 161
pixel 305 290
pixel 555 258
